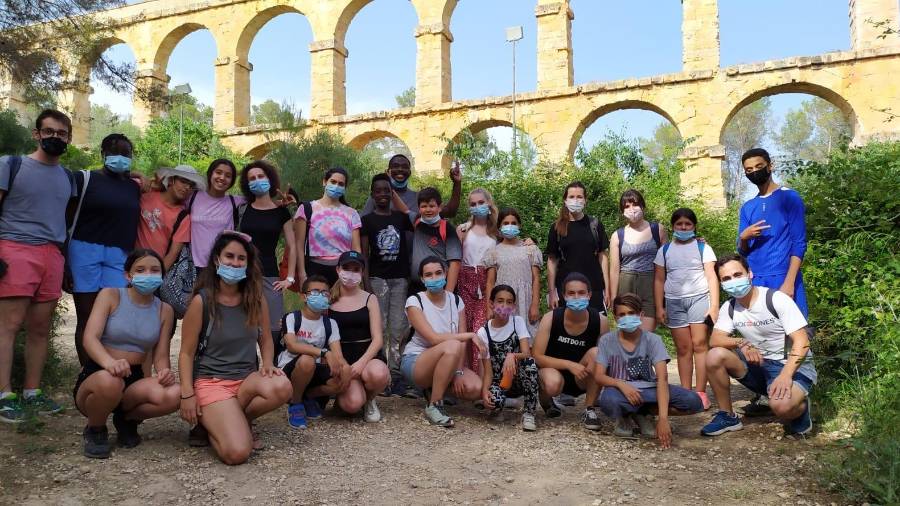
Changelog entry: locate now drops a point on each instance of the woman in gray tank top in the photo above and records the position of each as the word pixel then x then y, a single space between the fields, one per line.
pixel 223 386
pixel 632 250
pixel 125 324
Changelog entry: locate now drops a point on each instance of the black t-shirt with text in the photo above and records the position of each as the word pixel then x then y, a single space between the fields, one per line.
pixel 388 249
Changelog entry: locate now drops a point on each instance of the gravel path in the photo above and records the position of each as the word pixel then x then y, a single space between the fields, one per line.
pixel 403 460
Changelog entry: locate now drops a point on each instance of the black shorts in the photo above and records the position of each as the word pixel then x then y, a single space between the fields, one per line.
pixel 320 376
pixel 570 386
pixel 137 374
pixel 355 350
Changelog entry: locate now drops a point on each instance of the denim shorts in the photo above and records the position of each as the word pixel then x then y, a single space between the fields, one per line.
pixel 95 266
pixel 759 377
pixel 684 311
pixel 408 365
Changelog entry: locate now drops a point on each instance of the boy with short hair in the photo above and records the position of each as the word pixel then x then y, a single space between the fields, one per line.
pixel 631 368
pixel 434 236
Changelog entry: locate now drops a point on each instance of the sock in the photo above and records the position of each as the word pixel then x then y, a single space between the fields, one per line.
pixel 6 395
pixel 30 393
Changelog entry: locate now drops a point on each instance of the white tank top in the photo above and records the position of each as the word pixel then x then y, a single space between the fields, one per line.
pixel 475 246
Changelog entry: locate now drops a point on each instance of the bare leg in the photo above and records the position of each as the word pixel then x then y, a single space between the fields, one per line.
pixel 229 430
pixel 436 366
pixel 12 315
pixel 722 363
pixel 700 346
pixel 84 304
pixel 259 394
pixel 684 351
pixel 37 323
pixel 590 385
pixel 375 378
pixel 301 376
pixel 352 399
pixel 551 384
pixel 148 399
pixel 789 408
pixel 98 396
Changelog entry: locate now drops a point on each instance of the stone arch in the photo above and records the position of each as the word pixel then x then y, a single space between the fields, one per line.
pixel 360 141
pixel 823 92
pixel 252 28
pixel 346 17
pixel 171 39
pixel 476 127
pixel 261 151
pixel 603 110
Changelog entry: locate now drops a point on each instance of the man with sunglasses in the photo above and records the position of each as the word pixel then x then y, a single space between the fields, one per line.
pixel 399 170
pixel 34 193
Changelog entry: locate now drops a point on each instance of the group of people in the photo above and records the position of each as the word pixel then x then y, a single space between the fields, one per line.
pixel 395 300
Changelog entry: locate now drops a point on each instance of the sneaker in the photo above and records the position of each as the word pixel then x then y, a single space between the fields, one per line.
pixel 411 392
pixel 371 413
pixel 198 437
pixel 552 410
pixel 96 442
pixel 435 414
pixel 126 430
pixel 645 423
pixel 759 406
pixel 11 410
pixel 801 425
pixel 41 404
pixel 704 399
pixel 721 423
pixel 528 423
pixel 590 419
pixel 313 410
pixel 565 399
pixel 296 415
pixel 624 428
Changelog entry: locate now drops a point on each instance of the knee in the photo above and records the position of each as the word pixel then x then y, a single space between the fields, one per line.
pixel 282 388
pixel 235 454
pixel 452 347
pixel 108 385
pixel 353 399
pixel 551 384
pixel 784 409
pixel 305 363
pixel 172 397
pixel 716 357
pixel 376 374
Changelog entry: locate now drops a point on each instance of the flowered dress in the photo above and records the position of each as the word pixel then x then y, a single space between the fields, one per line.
pixel 513 264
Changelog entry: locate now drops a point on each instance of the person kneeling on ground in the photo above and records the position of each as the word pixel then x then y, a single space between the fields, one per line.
pixel 565 350
pixel 508 362
pixel 433 358
pixel 312 357
pixel 631 368
pixel 769 323
pixel 125 324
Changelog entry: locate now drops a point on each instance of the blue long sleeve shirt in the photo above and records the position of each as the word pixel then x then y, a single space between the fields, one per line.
pixel 770 253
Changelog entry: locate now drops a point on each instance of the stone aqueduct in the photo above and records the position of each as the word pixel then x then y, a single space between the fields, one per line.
pixel 699 100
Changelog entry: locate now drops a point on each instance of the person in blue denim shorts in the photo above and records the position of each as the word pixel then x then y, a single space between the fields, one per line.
pixel 772 356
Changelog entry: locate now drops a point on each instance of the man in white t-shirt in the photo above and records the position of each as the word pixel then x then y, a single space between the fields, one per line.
pixel 772 356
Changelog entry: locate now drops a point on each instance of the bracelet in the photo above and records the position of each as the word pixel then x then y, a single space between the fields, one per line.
pixel 188 397
pixel 458 372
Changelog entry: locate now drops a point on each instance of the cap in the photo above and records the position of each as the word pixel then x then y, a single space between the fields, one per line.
pixel 349 257
pixel 184 172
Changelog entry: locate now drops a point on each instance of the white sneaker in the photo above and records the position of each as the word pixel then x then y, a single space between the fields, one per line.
pixel 528 423
pixel 371 412
pixel 648 428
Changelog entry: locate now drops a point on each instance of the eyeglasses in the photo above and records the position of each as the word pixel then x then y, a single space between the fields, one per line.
pixel 51 132
pixel 317 292
pixel 239 234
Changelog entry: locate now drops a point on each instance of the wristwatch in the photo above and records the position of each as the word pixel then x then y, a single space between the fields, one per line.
pixel 290 280
pixel 322 352
pixel 459 372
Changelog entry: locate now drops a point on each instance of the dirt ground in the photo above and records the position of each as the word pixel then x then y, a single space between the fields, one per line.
pixel 403 460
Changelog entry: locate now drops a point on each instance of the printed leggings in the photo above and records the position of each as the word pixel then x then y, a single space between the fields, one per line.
pixel 526 381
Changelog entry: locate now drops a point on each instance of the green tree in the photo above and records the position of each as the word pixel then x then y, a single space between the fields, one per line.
pixel 15 139
pixel 813 131
pixel 104 122
pixel 158 147
pixel 747 129
pixel 407 98
pixel 665 138
pixel 270 112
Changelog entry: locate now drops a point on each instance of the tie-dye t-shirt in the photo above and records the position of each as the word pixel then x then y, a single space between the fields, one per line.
pixel 331 229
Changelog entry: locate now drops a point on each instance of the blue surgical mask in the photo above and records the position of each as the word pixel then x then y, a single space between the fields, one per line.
pixel 334 191
pixel 318 302
pixel 146 284
pixel 578 304
pixel 481 210
pixel 737 287
pixel 431 221
pixel 510 231
pixel 684 235
pixel 399 184
pixel 117 163
pixel 435 285
pixel 629 323
pixel 231 275
pixel 260 186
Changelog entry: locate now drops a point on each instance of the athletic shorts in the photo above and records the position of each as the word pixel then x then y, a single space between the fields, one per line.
pixel 570 385
pixel 320 376
pixel 95 266
pixel 640 284
pixel 210 390
pixel 32 271
pixel 686 310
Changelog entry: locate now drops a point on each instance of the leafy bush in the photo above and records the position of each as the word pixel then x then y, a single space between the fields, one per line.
pixel 15 139
pixel 158 147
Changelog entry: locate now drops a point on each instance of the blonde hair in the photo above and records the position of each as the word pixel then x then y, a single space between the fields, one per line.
pixel 492 229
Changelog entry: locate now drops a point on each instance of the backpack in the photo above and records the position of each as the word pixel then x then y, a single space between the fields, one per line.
pixel 298 320
pixel 593 225
pixel 700 245
pixel 442 231
pixel 654 232
pixel 178 283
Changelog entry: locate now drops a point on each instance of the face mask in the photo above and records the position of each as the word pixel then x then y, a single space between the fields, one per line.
pixel 629 323
pixel 54 146
pixel 146 284
pixel 504 311
pixel 633 214
pixel 117 163
pixel 231 275
pixel 510 231
pixel 399 184
pixel 480 210
pixel 435 285
pixel 334 191
pixel 759 177
pixel 684 235
pixel 350 279
pixel 577 304
pixel 318 302
pixel 737 287
pixel 575 206
pixel 260 186
pixel 431 221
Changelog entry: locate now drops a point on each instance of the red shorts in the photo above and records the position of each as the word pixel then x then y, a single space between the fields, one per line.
pixel 210 390
pixel 32 271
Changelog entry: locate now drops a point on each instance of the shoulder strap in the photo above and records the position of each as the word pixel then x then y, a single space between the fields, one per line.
pixel 731 309
pixel 666 250
pixel 181 216
pixel 419 298
pixel 307 211
pixel 770 304
pixel 298 320
pixel 700 246
pixel 487 329
pixel 240 213
pixel 326 321
pixel 235 218
pixel 203 340
pixel 593 224
pixel 621 234
pixel 442 230
pixel 87 178
pixel 15 162
pixel 654 232
pixel 191 202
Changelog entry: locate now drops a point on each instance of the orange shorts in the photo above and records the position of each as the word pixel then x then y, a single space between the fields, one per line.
pixel 210 390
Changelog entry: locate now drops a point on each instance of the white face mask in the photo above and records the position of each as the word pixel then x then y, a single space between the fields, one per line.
pixel 350 279
pixel 633 214
pixel 575 205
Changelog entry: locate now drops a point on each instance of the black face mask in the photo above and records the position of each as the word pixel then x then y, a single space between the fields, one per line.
pixel 54 146
pixel 760 176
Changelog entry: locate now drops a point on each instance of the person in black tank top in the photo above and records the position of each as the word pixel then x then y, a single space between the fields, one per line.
pixel 565 349
pixel 358 316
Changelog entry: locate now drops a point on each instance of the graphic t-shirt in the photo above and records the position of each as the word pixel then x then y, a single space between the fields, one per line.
pixel 443 319
pixel 265 227
pixel 388 250
pixel 515 325
pixel 34 212
pixel 427 241
pixel 684 268
pixel 311 332
pixel 637 368
pixel 157 220
pixel 210 216
pixel 765 331
pixel 331 229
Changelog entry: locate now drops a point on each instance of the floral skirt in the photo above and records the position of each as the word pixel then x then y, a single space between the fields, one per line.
pixel 471 288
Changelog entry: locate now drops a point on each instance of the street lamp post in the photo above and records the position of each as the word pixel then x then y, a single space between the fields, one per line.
pixel 181 90
pixel 514 34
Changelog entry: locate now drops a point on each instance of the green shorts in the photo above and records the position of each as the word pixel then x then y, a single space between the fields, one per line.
pixel 641 284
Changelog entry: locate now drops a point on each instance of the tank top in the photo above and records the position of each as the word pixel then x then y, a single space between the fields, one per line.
pixel 474 248
pixel 231 346
pixel 564 346
pixel 132 327
pixel 356 334
pixel 638 257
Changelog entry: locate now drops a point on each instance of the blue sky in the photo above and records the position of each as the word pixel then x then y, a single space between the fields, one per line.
pixel 611 40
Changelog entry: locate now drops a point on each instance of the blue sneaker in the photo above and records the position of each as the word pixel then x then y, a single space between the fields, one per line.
pixel 42 404
pixel 11 410
pixel 313 411
pixel 801 425
pixel 721 423
pixel 297 415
